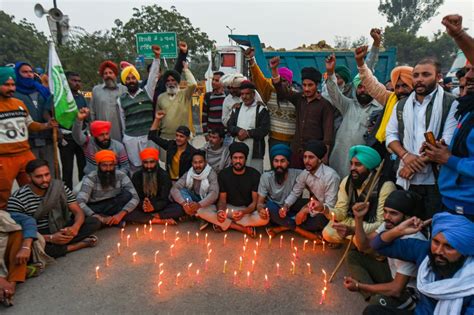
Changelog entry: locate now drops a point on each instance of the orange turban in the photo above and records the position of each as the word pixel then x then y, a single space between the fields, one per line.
pixel 99 126
pixel 403 73
pixel 105 156
pixel 108 64
pixel 149 153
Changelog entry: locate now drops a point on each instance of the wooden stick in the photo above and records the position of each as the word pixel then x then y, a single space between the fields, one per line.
pixel 346 251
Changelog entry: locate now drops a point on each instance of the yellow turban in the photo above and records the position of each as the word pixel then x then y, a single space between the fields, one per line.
pixel 126 71
pixel 403 73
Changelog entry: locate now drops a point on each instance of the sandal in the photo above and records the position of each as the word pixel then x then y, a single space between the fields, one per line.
pixel 34 270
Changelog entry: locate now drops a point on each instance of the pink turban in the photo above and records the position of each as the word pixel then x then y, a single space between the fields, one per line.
pixel 286 74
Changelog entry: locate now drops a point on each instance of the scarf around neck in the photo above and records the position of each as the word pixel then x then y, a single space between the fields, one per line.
pixel 27 85
pixel 203 177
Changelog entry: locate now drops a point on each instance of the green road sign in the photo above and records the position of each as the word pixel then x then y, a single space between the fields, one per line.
pixel 167 42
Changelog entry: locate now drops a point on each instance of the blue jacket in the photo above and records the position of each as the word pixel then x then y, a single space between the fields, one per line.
pixel 456 177
pixel 414 250
pixel 28 224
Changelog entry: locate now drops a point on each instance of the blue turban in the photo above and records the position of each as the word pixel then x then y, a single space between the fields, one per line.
pixel 366 155
pixel 27 85
pixel 280 149
pixel 6 73
pixel 457 229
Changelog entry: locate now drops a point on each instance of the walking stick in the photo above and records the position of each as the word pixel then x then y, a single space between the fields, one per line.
pixel 346 251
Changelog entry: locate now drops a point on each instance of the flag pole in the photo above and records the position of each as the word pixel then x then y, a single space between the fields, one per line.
pixel 55 129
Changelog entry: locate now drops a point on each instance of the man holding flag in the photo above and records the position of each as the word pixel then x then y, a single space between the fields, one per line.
pixel 64 106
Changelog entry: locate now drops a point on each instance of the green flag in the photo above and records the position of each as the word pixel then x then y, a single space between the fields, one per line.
pixel 65 108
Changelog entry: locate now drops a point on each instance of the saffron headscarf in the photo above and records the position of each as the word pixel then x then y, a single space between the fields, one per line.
pixel 105 156
pixel 403 73
pixel 127 70
pixel 366 155
pixel 149 153
pixel 457 229
pixel 108 64
pixel 27 85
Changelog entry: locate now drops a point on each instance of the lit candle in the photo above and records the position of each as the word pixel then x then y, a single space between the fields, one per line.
pixel 166 226
pixel 240 264
pixel 159 287
pixel 296 251
pixel 324 273
pixel 118 248
pixel 160 266
pixel 144 229
pixel 333 215
pixel 314 246
pixel 206 264
pixel 209 254
pixel 208 246
pixel 292 240
pixel 128 240
pixel 309 267
pixel 253 265
pixel 245 237
pixel 121 233
pixel 304 244
pixel 97 272
pixel 281 241
pixel 197 237
pixel 171 250
pixel 293 267
pixel 294 256
pixel 225 238
pixel 177 277
pixel 248 278
pixel 324 246
pixel 176 234
pixel 188 236
pixel 255 254
pixel 156 255
pixel 149 232
pixel 278 269
pixel 176 240
pixel 164 234
pixel 197 276
pixel 235 277
pixel 323 296
pixel 267 284
pixel 225 265
pixel 205 239
pixel 134 256
pixel 260 240
pixel 160 274
pixel 269 241
pixel 149 223
pixel 107 261
pixel 243 250
pixel 136 232
pixel 189 269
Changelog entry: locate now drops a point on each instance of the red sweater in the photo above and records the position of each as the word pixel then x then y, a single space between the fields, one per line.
pixel 15 121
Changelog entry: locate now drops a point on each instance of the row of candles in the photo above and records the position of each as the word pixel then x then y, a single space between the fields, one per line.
pixel 207 244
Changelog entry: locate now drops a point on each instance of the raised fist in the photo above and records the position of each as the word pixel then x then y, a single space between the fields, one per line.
pixel 274 62
pixel 156 50
pixel 376 34
pixel 183 47
pixel 83 113
pixel 330 64
pixel 249 53
pixel 453 24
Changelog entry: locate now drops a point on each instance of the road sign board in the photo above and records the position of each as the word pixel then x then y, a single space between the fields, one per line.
pixel 167 42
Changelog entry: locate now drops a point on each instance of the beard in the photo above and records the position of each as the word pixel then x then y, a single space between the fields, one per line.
pixel 364 98
pixel 280 174
pixel 150 182
pixel 172 89
pixel 359 180
pixel 110 83
pixel 102 144
pixel 106 179
pixel 449 269
pixel 428 88
pixel 238 166
pixel 132 88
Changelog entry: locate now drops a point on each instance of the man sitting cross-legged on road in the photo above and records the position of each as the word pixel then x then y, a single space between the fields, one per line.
pixel 198 189
pixel 301 216
pixel 107 194
pixel 238 195
pixel 51 203
pixel 384 282
pixel 153 186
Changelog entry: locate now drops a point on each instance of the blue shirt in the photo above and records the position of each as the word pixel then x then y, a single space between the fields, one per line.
pixel 415 250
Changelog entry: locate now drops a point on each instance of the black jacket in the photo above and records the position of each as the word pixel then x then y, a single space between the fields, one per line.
pixel 171 148
pixel 161 200
pixel 262 128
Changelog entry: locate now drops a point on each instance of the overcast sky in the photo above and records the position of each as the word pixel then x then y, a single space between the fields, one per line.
pixel 281 24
